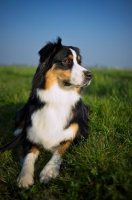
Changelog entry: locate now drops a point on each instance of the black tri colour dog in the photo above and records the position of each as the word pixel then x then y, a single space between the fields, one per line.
pixel 54 114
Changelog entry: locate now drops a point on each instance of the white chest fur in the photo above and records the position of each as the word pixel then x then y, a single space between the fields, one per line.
pixel 48 123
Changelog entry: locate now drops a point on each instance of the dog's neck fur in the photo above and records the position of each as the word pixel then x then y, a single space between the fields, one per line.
pixel 58 96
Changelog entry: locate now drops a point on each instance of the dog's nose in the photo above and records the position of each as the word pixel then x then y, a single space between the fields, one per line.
pixel 88 74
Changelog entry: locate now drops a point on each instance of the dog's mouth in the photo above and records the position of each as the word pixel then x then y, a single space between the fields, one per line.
pixel 75 81
pixel 84 83
pixel 68 84
pixel 64 83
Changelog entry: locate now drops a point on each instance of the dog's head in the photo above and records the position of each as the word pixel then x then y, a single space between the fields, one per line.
pixel 61 64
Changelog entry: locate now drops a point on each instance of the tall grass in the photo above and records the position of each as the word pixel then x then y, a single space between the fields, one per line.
pixel 101 167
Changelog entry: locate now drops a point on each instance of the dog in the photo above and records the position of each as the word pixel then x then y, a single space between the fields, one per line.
pixel 54 114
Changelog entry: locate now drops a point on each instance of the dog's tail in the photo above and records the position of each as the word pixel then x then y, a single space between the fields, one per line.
pixel 12 143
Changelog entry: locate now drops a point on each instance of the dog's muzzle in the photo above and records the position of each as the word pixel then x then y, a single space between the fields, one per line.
pixel 88 75
pixel 87 78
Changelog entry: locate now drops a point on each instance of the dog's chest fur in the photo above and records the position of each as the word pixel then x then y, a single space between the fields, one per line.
pixel 48 123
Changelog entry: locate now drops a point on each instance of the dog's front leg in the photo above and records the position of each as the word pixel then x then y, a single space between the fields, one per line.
pixel 25 178
pixel 51 170
pixel 70 132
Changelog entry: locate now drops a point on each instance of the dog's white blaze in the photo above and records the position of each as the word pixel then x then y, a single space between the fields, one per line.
pixel 25 178
pixel 77 75
pixel 48 123
pixel 51 170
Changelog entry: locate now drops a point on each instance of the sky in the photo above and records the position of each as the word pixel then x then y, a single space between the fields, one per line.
pixel 101 29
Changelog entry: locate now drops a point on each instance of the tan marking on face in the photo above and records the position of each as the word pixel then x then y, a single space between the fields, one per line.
pixel 79 58
pixel 63 74
pixel 55 75
pixel 63 148
pixel 34 150
pixel 70 56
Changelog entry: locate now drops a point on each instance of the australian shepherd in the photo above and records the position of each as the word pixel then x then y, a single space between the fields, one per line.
pixel 54 114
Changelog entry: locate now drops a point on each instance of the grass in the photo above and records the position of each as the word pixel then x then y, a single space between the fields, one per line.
pixel 101 167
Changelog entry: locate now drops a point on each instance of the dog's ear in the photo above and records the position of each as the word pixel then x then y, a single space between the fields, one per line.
pixel 49 50
pixel 46 56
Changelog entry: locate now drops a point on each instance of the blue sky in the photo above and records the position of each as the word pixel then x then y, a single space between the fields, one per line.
pixel 102 29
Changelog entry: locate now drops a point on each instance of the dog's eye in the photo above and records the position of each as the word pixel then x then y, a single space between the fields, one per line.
pixel 67 61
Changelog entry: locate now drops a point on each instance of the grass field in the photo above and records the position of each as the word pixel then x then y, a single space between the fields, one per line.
pixel 98 169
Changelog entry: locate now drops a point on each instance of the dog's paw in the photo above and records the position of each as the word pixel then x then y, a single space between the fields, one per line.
pixel 25 181
pixel 49 172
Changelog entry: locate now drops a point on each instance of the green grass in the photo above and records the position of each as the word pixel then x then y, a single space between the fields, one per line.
pixel 98 169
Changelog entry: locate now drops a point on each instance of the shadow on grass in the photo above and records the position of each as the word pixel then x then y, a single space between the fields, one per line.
pixel 7 121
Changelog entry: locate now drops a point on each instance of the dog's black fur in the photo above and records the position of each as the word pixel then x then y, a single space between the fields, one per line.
pixel 56 63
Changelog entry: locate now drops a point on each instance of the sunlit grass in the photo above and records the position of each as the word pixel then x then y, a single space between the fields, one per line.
pixel 101 167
